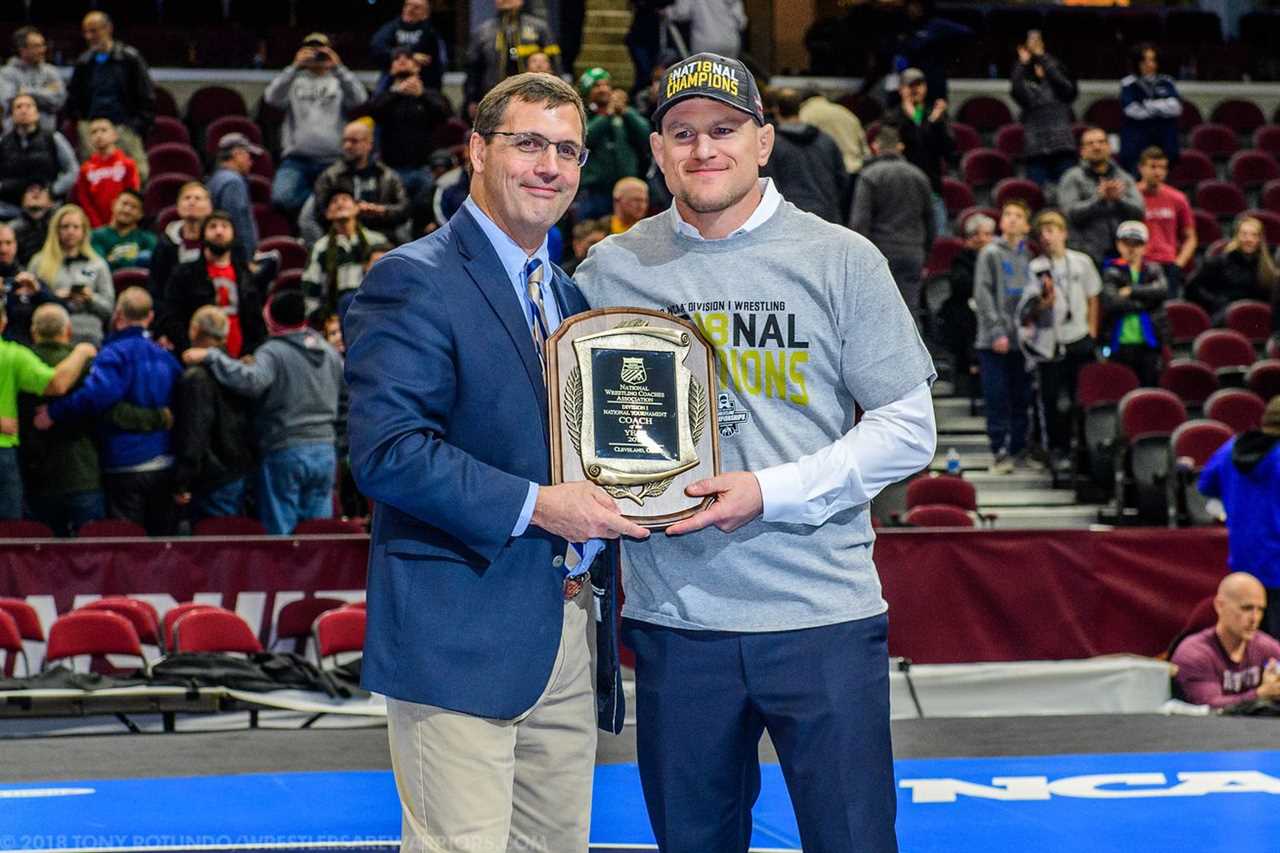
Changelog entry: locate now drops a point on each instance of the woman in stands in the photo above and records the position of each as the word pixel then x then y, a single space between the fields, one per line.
pixel 1244 270
pixel 69 266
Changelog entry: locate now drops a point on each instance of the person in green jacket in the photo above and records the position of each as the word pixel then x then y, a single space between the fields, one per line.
pixel 121 243
pixel 618 138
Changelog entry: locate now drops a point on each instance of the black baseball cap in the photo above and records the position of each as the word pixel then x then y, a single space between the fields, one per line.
pixel 709 75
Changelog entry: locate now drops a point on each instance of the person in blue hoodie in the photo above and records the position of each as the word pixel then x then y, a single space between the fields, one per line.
pixel 137 466
pixel 1151 110
pixel 1245 475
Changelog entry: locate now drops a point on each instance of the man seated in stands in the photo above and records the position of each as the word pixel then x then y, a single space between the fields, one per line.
pixel 337 262
pixel 229 187
pixel 296 379
pixel 181 241
pixel 211 437
pixel 219 276
pixel 30 153
pixel 120 242
pixel 381 202
pixel 412 32
pixel 21 370
pixel 1244 474
pixel 630 204
pixel 26 73
pixel 111 80
pixel 1234 661
pixel 107 173
pixel 315 91
pixel 1134 325
pixel 1097 195
pixel 138 466
pixel 32 224
pixel 20 291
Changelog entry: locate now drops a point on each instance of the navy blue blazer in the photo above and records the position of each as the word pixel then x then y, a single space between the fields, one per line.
pixel 448 425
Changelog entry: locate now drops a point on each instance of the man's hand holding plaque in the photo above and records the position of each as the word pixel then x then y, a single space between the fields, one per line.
pixel 630 400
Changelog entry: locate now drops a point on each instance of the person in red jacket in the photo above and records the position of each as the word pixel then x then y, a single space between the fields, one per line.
pixel 107 173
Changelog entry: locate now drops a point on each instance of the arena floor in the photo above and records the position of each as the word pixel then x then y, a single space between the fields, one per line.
pixel 992 785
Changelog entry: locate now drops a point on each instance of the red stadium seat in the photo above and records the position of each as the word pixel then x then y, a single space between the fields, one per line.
pixel 293 254
pixel 1207 228
pixel 287 278
pixel 453 131
pixel 1012 141
pixel 1186 321
pixel 942 489
pixel 1191 116
pixel 175 613
pixel 937 515
pixel 1271 196
pixel 956 196
pixel 141 614
pixel 1020 189
pixel 111 528
pixel 942 253
pixel 1263 378
pixel 233 525
pixel 166 104
pixel 162 190
pixel 1237 408
pixel 1105 113
pixel 1103 383
pixel 966 137
pixel 92 632
pixel 11 645
pixel 340 631
pixel 985 113
pixel 259 189
pixel 1252 168
pixel 26 617
pixel 1146 412
pixel 983 167
pixel 1148 416
pixel 214 631
pixel 1228 352
pixel 1244 117
pixel 263 165
pixel 167 129
pixel 1192 381
pixel 176 157
pixel 21 528
pixel 210 103
pixel 1216 140
pixel 1267 138
pixel 297 618
pixel 1192 445
pixel 223 125
pixel 271 222
pixel 1222 199
pixel 1192 167
pixel 164 217
pixel 1270 224
pixel 129 277
pixel 1250 318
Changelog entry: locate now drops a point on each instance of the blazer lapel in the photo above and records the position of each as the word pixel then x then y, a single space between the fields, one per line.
pixel 482 264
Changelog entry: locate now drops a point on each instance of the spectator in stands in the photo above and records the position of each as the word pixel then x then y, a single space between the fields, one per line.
pixel 1234 661
pixel 1134 324
pixel 31 154
pixel 1096 196
pixel 538 63
pixel 1063 295
pixel 21 291
pixel 107 173
pixel 296 379
pixel 121 243
pixel 32 224
pixel 315 92
pixel 1168 219
pixel 337 262
pixel 137 466
pixel 409 115
pixel 22 371
pixel 68 265
pixel 1244 474
pixel 1151 109
pixel 212 441
pixel 925 134
pixel 585 235
pixel 846 129
pixel 645 38
pixel 181 241
pixel 412 31
pixel 999 279
pixel 1244 270
pixel 894 210
pixel 499 46
pixel 715 26
pixel 229 187
pixel 630 204
pixel 382 204
pixel 26 73
pixel 221 277
pixel 111 80
pixel 956 317
pixel 618 139
pixel 806 164
pixel 1045 91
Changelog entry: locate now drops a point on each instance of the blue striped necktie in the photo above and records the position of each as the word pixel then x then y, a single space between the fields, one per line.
pixel 533 273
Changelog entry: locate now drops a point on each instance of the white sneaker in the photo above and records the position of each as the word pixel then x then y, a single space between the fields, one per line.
pixel 1002 465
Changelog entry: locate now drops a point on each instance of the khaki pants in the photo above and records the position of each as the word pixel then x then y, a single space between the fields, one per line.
pixel 474 785
pixel 129 143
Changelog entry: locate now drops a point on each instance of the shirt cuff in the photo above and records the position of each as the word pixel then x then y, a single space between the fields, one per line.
pixel 526 511
pixel 587 553
pixel 781 492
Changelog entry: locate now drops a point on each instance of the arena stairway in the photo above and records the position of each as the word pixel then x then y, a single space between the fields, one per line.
pixel 1024 499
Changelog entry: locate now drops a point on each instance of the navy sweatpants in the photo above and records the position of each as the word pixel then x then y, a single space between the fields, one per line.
pixel 703 699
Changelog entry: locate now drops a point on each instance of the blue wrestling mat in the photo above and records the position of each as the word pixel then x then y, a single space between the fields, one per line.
pixel 1131 803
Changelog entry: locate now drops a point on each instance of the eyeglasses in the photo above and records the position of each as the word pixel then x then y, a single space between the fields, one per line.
pixel 533 144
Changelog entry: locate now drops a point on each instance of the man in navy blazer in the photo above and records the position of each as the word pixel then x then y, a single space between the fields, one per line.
pixel 479 619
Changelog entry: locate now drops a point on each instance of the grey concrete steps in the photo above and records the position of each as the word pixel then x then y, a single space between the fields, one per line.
pixel 1028 518
pixel 992 496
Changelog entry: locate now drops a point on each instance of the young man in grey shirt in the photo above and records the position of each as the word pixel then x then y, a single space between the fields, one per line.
pixel 764 611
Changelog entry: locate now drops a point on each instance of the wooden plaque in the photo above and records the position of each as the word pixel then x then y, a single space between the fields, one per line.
pixel 632 397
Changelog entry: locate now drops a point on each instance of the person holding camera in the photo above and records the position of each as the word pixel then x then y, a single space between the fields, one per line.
pixel 315 91
pixel 77 275
pixel 1043 88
